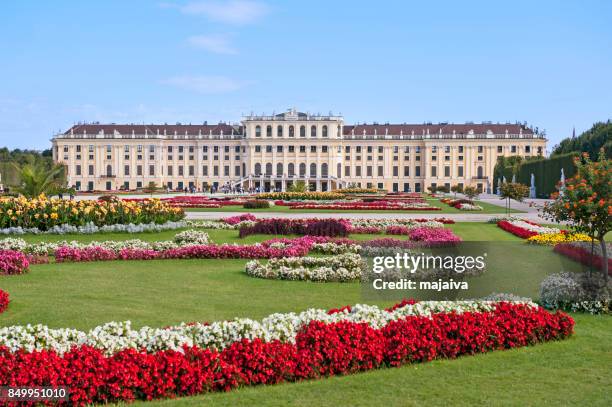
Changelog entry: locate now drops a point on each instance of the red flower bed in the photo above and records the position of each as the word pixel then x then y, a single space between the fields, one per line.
pixel 582 255
pixel 320 350
pixel 13 262
pixel 4 301
pixel 515 230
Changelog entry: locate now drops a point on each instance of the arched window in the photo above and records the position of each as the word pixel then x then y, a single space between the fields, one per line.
pixel 257 169
pixel 291 131
pixel 324 131
pixel 269 169
pixel 291 169
pixel 257 131
pixel 109 170
pixel 313 170
pixel 268 131
pixel 339 170
pixel 279 170
pixel 279 131
pixel 324 170
pixel 302 169
pixel 302 131
pixel 313 131
pixel 480 175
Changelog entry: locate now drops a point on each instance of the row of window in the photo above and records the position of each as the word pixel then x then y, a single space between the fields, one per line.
pixel 302 131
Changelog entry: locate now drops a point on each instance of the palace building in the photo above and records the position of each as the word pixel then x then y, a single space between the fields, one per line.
pixel 271 152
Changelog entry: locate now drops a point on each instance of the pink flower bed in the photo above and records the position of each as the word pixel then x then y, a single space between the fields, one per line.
pixel 13 262
pixel 397 230
pixel 294 247
pixel 4 301
pixel 351 205
pixel 234 220
pixel 433 235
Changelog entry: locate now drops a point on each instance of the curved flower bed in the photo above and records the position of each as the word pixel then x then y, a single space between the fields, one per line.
pixel 581 252
pixel 340 268
pixel 281 348
pixel 44 213
pixel 524 229
pixel 13 262
pixel 4 301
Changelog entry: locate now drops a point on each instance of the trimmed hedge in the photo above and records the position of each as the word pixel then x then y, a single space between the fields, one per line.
pixel 547 173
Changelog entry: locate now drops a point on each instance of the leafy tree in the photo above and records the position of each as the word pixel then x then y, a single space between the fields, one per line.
pixel 431 189
pixel 298 186
pixel 584 203
pixel 591 141
pixel 442 188
pixel 37 179
pixel 456 189
pixel 513 191
pixel 471 193
pixel 151 188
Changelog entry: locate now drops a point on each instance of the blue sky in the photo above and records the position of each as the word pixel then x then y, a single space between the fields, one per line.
pixel 545 62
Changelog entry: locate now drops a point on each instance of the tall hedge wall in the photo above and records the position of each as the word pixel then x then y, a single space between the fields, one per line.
pixel 547 173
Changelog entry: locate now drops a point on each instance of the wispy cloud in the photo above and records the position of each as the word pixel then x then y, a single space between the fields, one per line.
pixel 232 12
pixel 206 84
pixel 216 43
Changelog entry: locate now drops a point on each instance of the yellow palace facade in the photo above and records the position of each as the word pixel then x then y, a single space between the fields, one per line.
pixel 271 152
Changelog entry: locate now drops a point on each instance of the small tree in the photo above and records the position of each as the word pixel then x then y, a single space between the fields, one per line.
pixel 298 186
pixel 443 188
pixel 456 189
pixel 513 190
pixel 37 179
pixel 584 202
pixel 471 193
pixel 431 189
pixel 151 188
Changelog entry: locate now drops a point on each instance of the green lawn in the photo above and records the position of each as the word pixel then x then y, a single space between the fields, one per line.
pixel 163 292
pixel 487 209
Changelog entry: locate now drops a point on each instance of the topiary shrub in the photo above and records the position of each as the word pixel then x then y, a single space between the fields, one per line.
pixel 256 204
pixel 327 227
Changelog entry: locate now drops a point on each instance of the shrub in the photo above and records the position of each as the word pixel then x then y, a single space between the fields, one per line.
pixel 328 227
pixel 12 262
pixel 575 292
pixel 4 301
pixel 256 204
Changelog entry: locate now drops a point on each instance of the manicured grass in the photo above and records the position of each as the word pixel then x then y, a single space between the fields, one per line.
pixel 487 209
pixel 163 292
pixel 571 372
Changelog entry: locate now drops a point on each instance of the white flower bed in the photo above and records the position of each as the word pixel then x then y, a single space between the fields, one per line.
pixel 335 248
pixel 534 228
pixel 496 219
pixel 113 337
pixel 385 223
pixel 90 228
pixel 214 224
pixel 469 207
pixel 186 238
pixel 343 267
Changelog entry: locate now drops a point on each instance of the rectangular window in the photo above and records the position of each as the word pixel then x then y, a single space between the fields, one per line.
pixel 480 149
pixel 180 171
pixel 268 149
pixel 216 170
pixel 258 149
pixel 460 171
pixel 292 149
pixel 358 171
pixel 369 171
pixel 237 171
pixel 191 170
pixel 347 170
pixel 205 170
pixel 434 171
pixel 313 149
pixel 78 170
pixel 226 170
pixel 528 149
pixel 170 168
pixel 395 171
pixel 447 171
pixel 380 170
pixel 279 149
pixel 406 171
pixel 461 149
pixel 151 170
pixel 324 149
pixel 513 149
pixel 139 170
pixel 500 149
pixel 91 170
pixel 417 171
pixel 126 170
pixel 302 149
